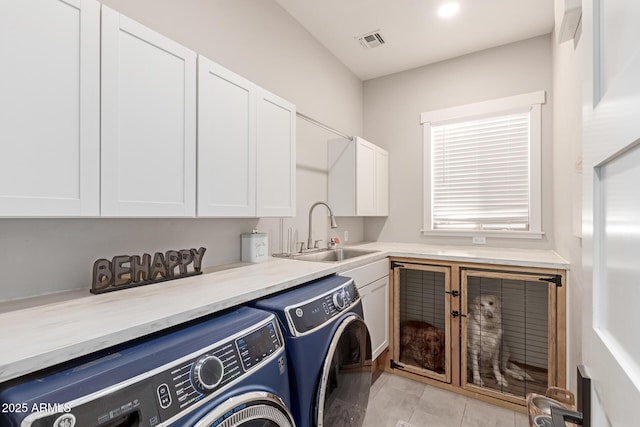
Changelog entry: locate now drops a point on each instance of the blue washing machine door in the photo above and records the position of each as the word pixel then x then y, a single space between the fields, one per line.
pixel 253 409
pixel 343 393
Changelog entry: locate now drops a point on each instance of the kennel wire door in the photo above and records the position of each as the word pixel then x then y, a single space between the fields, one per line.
pixel 422 324
pixel 509 324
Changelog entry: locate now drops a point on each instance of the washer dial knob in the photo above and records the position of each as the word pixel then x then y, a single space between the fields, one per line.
pixel 339 300
pixel 208 372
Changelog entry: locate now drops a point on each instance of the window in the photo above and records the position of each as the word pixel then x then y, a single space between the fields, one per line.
pixel 482 168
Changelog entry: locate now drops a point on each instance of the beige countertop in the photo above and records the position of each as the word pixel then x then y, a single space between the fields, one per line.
pixel 45 331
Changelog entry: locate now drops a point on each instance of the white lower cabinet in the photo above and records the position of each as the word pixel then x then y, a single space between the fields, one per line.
pixel 49 108
pixel 372 281
pixel 148 144
pixel 375 304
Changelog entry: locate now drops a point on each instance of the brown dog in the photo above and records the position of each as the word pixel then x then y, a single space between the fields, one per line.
pixel 422 345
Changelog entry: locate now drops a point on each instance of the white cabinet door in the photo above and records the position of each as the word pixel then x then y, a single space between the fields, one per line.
pixel 358 183
pixel 382 182
pixel 49 107
pixel 246 147
pixel 341 183
pixel 148 150
pixel 375 305
pixel 365 178
pixel 372 281
pixel 226 142
pixel 276 172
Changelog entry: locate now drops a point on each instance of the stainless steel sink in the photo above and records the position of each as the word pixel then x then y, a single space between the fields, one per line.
pixel 331 255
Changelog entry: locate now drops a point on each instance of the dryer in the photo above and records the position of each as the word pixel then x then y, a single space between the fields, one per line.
pixel 226 371
pixel 328 349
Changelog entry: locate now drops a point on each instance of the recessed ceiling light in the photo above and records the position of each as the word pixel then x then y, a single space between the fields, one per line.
pixel 447 10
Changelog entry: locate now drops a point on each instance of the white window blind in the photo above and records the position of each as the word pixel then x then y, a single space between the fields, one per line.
pixel 480 174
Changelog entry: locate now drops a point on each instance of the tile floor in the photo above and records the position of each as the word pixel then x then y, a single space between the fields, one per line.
pixel 396 401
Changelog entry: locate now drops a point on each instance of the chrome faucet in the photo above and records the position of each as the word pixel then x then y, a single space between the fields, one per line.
pixel 334 224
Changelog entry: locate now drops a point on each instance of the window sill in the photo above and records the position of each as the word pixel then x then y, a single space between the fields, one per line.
pixel 492 234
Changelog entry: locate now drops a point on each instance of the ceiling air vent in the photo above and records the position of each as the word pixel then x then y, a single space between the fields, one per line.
pixel 371 40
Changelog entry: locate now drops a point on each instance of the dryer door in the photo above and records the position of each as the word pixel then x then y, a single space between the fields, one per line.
pixel 255 409
pixel 343 393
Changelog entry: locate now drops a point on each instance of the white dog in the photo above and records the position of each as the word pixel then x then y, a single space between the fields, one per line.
pixel 484 328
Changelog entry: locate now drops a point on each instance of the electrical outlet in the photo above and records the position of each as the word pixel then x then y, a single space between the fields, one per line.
pixel 346 235
pixel 479 240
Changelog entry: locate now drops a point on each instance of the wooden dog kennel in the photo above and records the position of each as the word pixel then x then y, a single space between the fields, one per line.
pixel 487 331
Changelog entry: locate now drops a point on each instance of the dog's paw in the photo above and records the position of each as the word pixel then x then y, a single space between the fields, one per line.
pixel 502 382
pixel 478 381
pixel 517 376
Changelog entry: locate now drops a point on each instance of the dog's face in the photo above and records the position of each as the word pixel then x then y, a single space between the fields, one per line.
pixel 424 344
pixel 432 342
pixel 487 307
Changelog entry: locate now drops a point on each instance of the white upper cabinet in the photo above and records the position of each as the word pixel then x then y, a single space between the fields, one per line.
pixel 148 151
pixel 382 182
pixel 365 178
pixel 358 178
pixel 226 142
pixel 49 107
pixel 246 147
pixel 276 144
pixel 98 118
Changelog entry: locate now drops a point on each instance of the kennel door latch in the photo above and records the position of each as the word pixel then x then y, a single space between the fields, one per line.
pixel 456 313
pixel 557 279
pixel 453 293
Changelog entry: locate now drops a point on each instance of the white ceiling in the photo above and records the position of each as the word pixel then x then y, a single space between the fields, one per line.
pixel 414 33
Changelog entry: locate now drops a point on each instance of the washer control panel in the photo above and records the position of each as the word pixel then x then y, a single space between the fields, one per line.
pixel 258 345
pixel 207 373
pixel 312 314
pixel 194 379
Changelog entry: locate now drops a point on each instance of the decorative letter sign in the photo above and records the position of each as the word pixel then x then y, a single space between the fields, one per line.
pixel 125 271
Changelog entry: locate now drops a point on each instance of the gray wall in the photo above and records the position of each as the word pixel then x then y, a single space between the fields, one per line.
pixel 392 119
pixel 258 40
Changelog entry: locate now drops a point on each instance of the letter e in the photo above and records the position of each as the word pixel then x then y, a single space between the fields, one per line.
pixel 121 272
